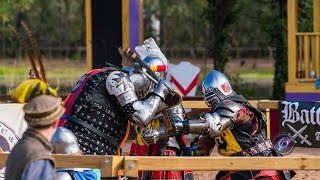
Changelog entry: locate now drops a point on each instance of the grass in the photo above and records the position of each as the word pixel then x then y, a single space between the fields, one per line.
pixel 61 73
pixel 65 73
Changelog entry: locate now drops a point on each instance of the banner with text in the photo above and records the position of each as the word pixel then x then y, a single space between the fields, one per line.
pixel 301 121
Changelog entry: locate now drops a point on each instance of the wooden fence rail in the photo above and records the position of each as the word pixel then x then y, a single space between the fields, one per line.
pixel 110 165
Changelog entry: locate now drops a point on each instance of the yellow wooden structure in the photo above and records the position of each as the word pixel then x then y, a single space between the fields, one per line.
pixel 303 51
pixel 127 25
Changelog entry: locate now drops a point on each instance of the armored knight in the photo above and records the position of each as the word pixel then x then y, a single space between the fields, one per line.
pixel 102 104
pixel 236 127
pixel 157 140
pixel 65 142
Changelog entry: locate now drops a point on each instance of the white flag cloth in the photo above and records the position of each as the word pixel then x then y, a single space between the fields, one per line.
pixel 184 76
pixel 12 126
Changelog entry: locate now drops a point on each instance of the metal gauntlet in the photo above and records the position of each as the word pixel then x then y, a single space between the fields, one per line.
pixel 217 124
pixel 145 110
pixel 151 136
pixel 163 88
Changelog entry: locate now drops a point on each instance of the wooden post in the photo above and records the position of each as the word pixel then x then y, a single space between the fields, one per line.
pixel 125 24
pixel 131 167
pixel 306 50
pixel 111 165
pixel 316 28
pixel 88 35
pixel 267 113
pixel 292 29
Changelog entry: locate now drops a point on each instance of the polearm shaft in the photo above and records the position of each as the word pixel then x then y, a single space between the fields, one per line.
pixel 26 49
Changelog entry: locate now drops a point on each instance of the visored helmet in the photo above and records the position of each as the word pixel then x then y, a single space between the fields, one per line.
pixel 64 142
pixel 216 87
pixel 157 65
pixel 144 86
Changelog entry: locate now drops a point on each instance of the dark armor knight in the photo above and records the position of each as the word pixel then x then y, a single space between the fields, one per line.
pixel 237 128
pixel 104 100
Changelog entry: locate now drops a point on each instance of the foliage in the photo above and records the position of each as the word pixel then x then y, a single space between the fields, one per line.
pixel 243 88
pixel 10 8
pixel 221 15
pixel 54 23
pixel 305 16
pixel 180 23
pixel 279 37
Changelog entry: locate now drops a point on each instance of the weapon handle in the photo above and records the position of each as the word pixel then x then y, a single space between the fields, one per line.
pixel 132 55
pixel 166 120
pixel 182 145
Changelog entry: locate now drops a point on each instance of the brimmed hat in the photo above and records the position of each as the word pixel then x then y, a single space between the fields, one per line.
pixel 43 110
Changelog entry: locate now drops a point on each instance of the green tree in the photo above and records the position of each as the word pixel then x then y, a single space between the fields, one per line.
pixel 181 23
pixel 278 33
pixel 221 15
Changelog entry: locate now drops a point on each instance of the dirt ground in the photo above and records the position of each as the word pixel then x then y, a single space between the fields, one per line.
pixel 297 152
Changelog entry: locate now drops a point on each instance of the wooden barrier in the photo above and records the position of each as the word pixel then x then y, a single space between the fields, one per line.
pixel 110 165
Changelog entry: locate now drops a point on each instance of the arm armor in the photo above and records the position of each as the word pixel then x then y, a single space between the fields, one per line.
pixel 175 114
pixel 119 85
pixel 140 81
pixel 223 116
pixel 145 110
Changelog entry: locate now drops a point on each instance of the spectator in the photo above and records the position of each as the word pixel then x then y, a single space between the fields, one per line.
pixel 31 157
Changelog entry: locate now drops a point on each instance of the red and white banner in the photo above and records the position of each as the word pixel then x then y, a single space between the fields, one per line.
pixel 184 76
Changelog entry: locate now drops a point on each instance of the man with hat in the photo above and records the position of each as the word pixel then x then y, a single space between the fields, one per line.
pixel 31 157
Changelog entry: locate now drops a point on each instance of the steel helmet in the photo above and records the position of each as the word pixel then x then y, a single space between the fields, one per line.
pixel 157 65
pixel 64 142
pixel 216 87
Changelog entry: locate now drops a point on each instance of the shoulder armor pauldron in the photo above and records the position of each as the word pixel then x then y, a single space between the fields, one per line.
pixel 228 109
pixel 119 85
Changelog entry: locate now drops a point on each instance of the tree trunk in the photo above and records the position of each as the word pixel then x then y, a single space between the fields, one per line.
pixel 280 56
